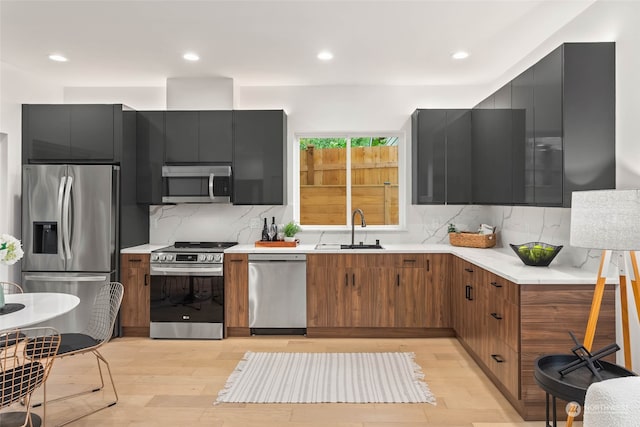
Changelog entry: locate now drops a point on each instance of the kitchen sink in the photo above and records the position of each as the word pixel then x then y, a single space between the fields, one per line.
pixel 361 246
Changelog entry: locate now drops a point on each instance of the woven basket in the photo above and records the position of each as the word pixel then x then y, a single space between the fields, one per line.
pixel 472 240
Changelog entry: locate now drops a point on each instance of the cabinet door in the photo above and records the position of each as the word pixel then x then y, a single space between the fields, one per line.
pixel 502 97
pixel 215 140
pixel 149 156
pixel 46 132
pixel 429 139
pixel 134 311
pixel 339 296
pixel 410 298
pixel 259 154
pixel 318 277
pixel 491 136
pixel 92 132
pixel 522 104
pixel 458 157
pixel 236 284
pixel 437 285
pixel 547 110
pixel 181 136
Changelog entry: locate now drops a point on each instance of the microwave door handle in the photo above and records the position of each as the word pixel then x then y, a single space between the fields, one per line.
pixel 211 196
pixel 61 187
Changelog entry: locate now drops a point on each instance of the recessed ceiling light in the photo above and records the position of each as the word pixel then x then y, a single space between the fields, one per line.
pixel 325 55
pixel 190 56
pixel 57 58
pixel 460 55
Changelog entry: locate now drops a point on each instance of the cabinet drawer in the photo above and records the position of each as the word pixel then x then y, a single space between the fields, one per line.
pixel 503 322
pixel 501 288
pixel 135 260
pixel 505 365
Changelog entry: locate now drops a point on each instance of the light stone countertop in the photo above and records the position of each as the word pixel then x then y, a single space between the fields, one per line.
pixel 143 249
pixel 501 261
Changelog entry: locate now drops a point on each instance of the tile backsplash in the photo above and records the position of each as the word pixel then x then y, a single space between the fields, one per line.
pixel 425 224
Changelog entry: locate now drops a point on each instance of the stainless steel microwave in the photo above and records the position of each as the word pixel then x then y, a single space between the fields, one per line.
pixel 196 184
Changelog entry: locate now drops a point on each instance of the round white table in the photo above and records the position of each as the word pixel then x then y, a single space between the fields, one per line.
pixel 38 307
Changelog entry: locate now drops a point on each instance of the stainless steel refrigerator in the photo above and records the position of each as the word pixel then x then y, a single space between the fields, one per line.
pixel 70 233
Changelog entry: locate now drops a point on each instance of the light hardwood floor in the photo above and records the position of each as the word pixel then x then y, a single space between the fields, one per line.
pixel 174 383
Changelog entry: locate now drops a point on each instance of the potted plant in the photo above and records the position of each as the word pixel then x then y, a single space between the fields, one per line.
pixel 290 230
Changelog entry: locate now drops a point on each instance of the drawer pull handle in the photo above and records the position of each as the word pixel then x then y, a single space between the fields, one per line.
pixel 496 284
pixel 496 316
pixel 353 277
pixel 467 292
pixel 497 358
pixel 146 279
pixel 468 270
pixel 398 280
pixel 236 260
pixel 408 260
pixel 346 279
pixel 135 260
pixel 428 267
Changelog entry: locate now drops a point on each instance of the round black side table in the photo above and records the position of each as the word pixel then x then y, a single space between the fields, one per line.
pixel 571 387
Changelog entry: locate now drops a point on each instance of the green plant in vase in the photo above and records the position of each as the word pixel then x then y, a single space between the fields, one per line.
pixel 290 229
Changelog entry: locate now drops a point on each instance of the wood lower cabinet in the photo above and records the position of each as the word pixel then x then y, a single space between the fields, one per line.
pixel 505 327
pixel 134 310
pixel 236 295
pixel 377 295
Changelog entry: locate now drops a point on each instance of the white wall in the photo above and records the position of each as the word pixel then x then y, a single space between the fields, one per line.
pixel 16 88
pixel 138 98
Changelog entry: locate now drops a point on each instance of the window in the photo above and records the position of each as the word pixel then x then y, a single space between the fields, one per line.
pixel 339 174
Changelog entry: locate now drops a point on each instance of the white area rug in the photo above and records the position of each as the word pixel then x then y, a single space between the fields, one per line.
pixel 326 377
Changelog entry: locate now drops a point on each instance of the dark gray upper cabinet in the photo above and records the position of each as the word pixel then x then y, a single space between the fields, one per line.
pixel 198 137
pixel 149 156
pixel 502 97
pixel 259 157
pixel 547 129
pixel 216 136
pixel 441 156
pixel 589 117
pixel 72 132
pixel 522 100
pixel 492 171
pixel 562 130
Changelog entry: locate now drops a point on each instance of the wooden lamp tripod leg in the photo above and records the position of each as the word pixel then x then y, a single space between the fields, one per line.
pixel 624 309
pixel 596 302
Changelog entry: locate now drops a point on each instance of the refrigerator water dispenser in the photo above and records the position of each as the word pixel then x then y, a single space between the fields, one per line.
pixel 45 237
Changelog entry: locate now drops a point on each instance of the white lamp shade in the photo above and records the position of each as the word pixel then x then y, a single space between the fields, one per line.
pixel 606 219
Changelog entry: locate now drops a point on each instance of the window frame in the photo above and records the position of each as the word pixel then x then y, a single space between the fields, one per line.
pixel 402 179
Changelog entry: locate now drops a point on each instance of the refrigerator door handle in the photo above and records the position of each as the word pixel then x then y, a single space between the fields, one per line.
pixel 54 278
pixel 66 217
pixel 61 187
pixel 211 196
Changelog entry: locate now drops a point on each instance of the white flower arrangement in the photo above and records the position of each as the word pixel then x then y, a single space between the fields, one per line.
pixel 10 249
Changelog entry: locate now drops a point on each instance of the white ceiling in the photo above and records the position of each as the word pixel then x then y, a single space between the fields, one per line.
pixel 266 42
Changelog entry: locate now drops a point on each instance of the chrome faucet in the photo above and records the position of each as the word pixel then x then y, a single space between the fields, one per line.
pixel 353 226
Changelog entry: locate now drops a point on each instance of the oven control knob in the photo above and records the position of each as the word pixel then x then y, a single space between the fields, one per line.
pixel 170 257
pixel 218 258
pixel 163 257
pixel 209 257
pixel 202 257
pixel 154 257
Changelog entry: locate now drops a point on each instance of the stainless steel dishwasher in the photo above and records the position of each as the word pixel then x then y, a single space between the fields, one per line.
pixel 278 293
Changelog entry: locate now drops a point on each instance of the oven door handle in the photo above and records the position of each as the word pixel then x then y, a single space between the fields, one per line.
pixel 186 271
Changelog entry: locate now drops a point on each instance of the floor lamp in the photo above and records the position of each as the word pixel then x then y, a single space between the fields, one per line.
pixel 609 220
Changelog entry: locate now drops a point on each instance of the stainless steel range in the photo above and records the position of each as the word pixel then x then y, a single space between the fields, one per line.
pixel 187 290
